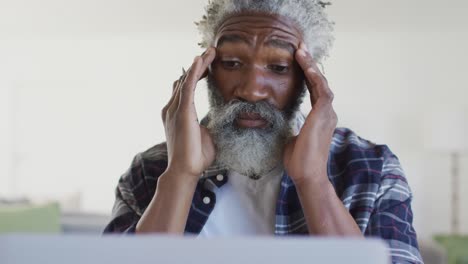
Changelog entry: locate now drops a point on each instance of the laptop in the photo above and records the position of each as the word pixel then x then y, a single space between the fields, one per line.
pixel 74 249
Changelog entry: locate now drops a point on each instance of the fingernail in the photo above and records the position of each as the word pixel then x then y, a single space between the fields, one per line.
pixel 302 53
pixel 304 46
pixel 208 50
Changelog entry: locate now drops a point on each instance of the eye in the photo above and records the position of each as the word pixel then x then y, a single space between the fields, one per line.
pixel 231 64
pixel 278 68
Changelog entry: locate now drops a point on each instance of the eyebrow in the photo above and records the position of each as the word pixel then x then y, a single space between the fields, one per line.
pixel 277 43
pixel 233 38
pixel 282 44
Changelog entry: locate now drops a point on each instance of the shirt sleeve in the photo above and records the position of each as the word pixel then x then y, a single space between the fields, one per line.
pixel 392 217
pixel 132 195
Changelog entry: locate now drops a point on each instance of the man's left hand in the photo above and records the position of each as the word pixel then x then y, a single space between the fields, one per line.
pixel 306 156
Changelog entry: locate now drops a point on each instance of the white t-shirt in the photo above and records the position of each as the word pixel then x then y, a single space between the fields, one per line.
pixel 245 206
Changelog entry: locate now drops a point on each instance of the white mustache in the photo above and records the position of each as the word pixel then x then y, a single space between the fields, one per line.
pixel 233 109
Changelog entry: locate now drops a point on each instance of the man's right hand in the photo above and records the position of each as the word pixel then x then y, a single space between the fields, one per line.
pixel 190 151
pixel 190 147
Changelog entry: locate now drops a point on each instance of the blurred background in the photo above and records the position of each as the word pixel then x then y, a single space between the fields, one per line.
pixel 82 84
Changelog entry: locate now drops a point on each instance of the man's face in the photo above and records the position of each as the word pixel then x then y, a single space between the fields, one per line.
pixel 255 62
pixel 255 88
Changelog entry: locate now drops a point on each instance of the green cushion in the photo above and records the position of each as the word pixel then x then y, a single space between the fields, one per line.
pixel 456 246
pixel 30 219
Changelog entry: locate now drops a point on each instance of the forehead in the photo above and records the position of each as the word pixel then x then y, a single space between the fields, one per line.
pixel 254 27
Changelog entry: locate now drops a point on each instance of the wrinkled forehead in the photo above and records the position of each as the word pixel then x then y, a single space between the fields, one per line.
pixel 250 28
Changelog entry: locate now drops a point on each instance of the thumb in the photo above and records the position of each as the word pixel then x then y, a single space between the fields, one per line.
pixel 208 146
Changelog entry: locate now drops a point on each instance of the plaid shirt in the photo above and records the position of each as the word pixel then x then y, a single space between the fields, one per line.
pixel 367 178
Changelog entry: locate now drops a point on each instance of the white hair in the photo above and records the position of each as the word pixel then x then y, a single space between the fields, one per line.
pixel 309 16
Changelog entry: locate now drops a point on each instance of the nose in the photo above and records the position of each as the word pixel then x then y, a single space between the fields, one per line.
pixel 254 87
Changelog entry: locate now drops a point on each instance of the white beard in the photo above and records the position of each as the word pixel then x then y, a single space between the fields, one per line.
pixel 252 152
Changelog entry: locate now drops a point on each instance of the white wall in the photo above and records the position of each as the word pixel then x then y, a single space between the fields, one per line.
pixel 90 78
pixel 5 153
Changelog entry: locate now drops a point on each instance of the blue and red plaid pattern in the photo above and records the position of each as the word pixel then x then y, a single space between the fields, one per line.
pixel 368 179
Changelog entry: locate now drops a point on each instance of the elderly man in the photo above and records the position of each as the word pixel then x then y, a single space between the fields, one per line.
pixel 255 165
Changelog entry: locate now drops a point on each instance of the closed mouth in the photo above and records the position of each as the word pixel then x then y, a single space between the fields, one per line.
pixel 251 120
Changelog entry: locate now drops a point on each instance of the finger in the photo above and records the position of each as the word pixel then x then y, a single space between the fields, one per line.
pixel 174 89
pixel 208 58
pixel 316 83
pixel 173 98
pixel 312 74
pixel 177 86
pixel 176 97
pixel 199 66
pixel 174 86
pixel 306 61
